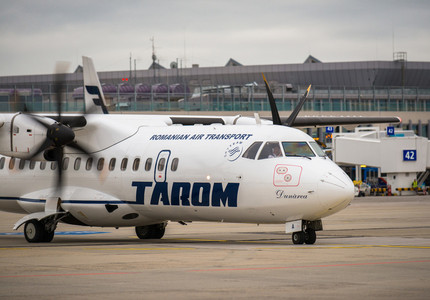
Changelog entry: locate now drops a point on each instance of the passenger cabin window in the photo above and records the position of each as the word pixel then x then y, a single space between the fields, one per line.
pixel 89 164
pixel 32 164
pixel 112 163
pixel 297 149
pixel 148 164
pixel 11 163
pixel 317 149
pixel 124 163
pixel 161 164
pixel 100 164
pixel 53 165
pixel 43 165
pixel 252 150
pixel 77 163
pixel 270 150
pixel 22 164
pixel 136 164
pixel 2 160
pixel 65 163
pixel 175 162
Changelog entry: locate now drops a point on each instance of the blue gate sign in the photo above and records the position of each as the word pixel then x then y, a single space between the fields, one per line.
pixel 390 130
pixel 329 129
pixel 409 155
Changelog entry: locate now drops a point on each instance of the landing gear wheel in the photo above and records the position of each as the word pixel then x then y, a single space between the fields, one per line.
pixel 155 231
pixel 158 231
pixel 48 236
pixel 35 232
pixel 298 237
pixel 310 236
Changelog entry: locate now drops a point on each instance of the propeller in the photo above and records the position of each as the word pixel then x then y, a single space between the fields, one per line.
pixel 60 133
pixel 275 114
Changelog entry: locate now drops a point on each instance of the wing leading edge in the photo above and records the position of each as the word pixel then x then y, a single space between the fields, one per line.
pixel 305 121
pixel 310 121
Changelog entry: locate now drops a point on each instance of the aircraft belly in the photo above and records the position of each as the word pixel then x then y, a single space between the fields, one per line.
pixel 98 215
pixel 10 204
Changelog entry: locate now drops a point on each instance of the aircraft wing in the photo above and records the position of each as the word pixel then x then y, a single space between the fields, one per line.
pixel 305 121
pixel 309 121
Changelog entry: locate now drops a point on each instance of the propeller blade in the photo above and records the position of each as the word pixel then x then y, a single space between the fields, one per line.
pixel 36 119
pixel 74 145
pixel 60 82
pixel 59 153
pixel 293 116
pixel 275 114
pixel 47 143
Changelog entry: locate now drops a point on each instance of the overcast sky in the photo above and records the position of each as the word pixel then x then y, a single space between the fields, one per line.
pixel 34 34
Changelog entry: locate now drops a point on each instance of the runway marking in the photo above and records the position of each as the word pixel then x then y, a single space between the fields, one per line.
pixel 344 247
pixel 77 274
pixel 138 249
pixel 203 240
pixel 312 266
pixel 14 248
pixel 60 233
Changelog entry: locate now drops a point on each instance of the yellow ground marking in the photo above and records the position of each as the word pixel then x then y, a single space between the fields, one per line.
pixel 14 248
pixel 138 249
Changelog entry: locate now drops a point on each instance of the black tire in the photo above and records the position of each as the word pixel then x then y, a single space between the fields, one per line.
pixel 33 231
pixel 155 231
pixel 143 232
pixel 47 236
pixel 298 237
pixel 158 231
pixel 310 236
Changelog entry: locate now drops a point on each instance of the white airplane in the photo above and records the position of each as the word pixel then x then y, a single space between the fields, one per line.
pixel 115 170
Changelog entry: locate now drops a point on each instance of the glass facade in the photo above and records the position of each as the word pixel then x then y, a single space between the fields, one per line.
pixel 177 97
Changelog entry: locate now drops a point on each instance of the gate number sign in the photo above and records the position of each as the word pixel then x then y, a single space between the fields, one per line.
pixel 409 155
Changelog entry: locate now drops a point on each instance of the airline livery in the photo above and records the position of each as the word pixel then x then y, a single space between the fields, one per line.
pixel 114 170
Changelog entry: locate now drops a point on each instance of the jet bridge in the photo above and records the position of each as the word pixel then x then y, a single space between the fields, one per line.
pixel 401 154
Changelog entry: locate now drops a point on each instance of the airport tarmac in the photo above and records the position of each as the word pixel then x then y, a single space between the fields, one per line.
pixel 378 247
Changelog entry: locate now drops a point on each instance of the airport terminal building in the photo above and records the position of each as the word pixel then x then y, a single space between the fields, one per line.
pixel 397 87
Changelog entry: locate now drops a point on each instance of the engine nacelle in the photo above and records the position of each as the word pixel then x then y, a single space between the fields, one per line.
pixel 20 135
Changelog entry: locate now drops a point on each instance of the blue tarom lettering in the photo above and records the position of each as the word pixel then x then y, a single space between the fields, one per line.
pixel 187 194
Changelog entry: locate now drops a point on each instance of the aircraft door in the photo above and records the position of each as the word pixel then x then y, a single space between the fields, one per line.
pixel 160 170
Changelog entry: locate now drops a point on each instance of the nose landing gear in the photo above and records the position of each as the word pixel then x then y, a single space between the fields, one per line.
pixel 303 232
pixel 304 237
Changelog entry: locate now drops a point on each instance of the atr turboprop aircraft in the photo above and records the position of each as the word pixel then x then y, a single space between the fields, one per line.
pixel 115 170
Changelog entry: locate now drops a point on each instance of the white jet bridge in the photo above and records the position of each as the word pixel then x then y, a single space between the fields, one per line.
pixel 401 154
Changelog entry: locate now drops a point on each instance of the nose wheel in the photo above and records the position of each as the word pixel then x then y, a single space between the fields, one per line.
pixel 304 237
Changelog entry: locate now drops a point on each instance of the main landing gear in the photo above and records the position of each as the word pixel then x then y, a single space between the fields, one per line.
pixel 155 231
pixel 38 232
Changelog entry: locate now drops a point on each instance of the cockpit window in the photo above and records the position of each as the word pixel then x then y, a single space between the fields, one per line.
pixel 297 149
pixel 252 150
pixel 317 149
pixel 270 150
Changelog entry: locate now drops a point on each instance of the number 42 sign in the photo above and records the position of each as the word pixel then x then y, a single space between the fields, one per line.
pixel 409 155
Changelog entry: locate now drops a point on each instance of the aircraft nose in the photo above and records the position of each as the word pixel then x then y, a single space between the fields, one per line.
pixel 336 190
